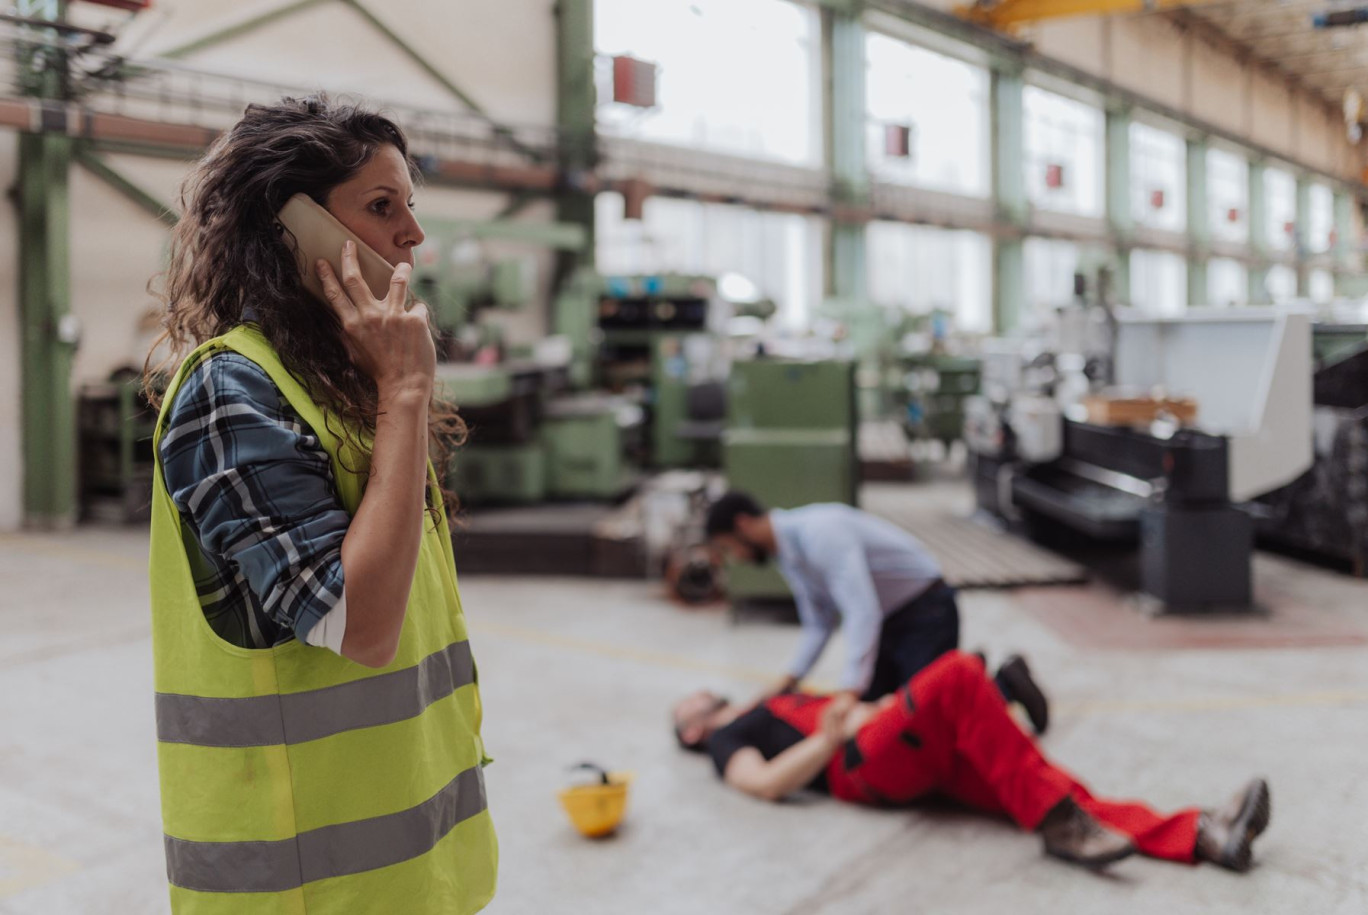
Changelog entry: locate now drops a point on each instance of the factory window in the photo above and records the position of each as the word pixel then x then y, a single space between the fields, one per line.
pixel 1320 219
pixel 1158 177
pixel 731 76
pixel 781 253
pixel 1158 282
pixel 1227 196
pixel 920 269
pixel 1321 286
pixel 1063 140
pixel 1227 283
pixel 1281 284
pixel 1280 202
pixel 927 118
pixel 1050 265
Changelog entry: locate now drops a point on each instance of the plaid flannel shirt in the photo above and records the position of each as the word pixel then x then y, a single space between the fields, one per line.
pixel 255 488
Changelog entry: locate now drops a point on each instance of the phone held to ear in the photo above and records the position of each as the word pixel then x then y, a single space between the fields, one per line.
pixel 318 235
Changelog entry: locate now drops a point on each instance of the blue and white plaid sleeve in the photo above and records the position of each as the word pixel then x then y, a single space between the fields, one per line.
pixel 255 486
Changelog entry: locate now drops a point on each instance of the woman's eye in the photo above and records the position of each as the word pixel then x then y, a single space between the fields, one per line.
pixel 381 206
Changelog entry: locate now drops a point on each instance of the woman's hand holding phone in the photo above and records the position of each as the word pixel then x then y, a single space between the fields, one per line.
pixel 391 344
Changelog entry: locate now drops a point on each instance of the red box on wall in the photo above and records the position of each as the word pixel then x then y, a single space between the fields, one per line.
pixel 1233 214
pixel 1054 176
pixel 898 141
pixel 1157 199
pixel 634 82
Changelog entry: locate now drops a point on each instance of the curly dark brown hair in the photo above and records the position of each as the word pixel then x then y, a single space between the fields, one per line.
pixel 228 256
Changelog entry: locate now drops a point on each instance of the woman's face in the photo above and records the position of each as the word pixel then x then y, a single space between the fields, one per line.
pixel 376 204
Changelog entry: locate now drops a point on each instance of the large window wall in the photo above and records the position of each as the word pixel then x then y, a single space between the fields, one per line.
pixel 1158 178
pixel 1050 265
pixel 1280 201
pixel 1227 283
pixel 1320 231
pixel 939 105
pixel 735 76
pixel 780 253
pixel 1281 284
pixel 1321 286
pixel 1227 181
pixel 1158 282
pixel 744 77
pixel 921 269
pixel 1064 153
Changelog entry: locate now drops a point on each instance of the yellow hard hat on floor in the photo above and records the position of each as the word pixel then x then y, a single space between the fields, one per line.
pixel 597 809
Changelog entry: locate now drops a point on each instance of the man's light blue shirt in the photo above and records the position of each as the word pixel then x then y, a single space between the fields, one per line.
pixel 847 567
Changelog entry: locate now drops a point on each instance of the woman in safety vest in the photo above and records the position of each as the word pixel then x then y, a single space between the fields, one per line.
pixel 318 716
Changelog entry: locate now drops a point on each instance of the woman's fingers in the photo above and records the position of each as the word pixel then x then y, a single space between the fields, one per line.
pixel 398 289
pixel 341 304
pixel 352 280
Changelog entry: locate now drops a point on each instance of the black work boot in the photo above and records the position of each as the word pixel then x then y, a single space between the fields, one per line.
pixel 1226 836
pixel 1016 684
pixel 1071 834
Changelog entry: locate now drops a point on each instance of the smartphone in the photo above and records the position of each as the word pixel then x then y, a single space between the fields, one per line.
pixel 318 235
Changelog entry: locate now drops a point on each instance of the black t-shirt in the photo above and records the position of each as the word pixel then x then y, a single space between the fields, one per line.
pixel 759 728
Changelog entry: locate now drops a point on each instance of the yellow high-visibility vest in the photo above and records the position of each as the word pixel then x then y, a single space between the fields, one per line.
pixel 295 781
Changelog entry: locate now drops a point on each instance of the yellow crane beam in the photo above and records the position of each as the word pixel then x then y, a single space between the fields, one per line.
pixel 1006 15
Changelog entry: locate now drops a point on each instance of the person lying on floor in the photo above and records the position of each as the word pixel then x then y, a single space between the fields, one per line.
pixel 947 731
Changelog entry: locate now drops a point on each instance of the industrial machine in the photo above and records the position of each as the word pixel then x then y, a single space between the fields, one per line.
pixel 656 340
pixel 533 437
pixel 1325 510
pixel 934 390
pixel 790 440
pixel 1170 487
pixel 115 425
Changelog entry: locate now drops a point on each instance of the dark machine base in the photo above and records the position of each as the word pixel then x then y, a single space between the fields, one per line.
pixel 1192 559
pixel 1121 486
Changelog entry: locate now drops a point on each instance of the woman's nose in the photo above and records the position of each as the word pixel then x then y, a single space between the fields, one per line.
pixel 411 234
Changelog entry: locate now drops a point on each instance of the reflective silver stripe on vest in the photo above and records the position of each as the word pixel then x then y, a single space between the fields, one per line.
pixel 330 851
pixel 289 718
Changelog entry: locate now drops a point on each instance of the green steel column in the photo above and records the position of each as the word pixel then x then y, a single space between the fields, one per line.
pixel 1303 236
pixel 843 40
pixel 49 429
pixel 1258 236
pixel 47 334
pixel 576 104
pixel 1009 198
pixel 1198 227
pixel 1120 221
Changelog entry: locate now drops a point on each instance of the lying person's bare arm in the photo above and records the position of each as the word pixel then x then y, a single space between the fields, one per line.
pixel 775 779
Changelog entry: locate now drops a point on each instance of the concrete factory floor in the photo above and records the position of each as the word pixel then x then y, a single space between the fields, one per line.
pixel 1171 711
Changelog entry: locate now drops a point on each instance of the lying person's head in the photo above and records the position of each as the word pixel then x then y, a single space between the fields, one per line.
pixel 738 528
pixel 696 717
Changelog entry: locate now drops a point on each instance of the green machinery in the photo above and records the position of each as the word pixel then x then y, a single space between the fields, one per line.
pixel 532 439
pixel 114 428
pixel 932 391
pixel 790 440
pixel 653 339
pixel 924 389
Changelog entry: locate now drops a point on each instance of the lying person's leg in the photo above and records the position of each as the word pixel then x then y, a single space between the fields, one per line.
pixel 949 730
pixel 946 718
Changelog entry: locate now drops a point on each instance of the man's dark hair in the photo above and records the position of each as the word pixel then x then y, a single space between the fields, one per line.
pixel 696 746
pixel 723 513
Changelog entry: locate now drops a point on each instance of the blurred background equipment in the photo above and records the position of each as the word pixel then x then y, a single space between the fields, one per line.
pixel 1230 421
